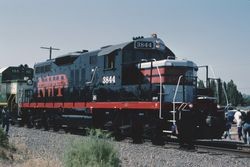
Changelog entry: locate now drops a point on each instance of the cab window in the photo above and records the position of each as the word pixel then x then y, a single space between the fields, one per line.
pixel 109 61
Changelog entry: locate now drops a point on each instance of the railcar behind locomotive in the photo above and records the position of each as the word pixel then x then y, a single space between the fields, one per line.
pixel 134 87
pixel 13 83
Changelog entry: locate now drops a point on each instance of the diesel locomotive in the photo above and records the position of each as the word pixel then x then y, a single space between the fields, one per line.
pixel 138 88
pixel 13 80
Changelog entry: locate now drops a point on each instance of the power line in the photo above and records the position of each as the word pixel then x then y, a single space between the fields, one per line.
pixel 50 50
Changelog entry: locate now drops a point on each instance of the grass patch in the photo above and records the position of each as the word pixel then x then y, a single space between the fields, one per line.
pixel 95 151
pixel 4 141
pixel 16 154
pixel 98 133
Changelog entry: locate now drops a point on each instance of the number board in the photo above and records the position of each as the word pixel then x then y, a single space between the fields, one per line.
pixel 143 45
pixel 108 79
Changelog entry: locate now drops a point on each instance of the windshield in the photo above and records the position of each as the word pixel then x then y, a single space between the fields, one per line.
pixel 172 75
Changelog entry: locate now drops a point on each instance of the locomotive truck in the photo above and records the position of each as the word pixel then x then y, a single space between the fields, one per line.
pixel 135 88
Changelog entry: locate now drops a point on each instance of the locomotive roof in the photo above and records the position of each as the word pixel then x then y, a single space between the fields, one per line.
pixel 2 69
pixel 100 52
pixel 112 48
pixel 71 54
pixel 44 62
pixel 108 49
pixel 67 57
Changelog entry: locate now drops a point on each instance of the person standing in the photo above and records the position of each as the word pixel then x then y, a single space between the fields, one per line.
pixel 238 121
pixel 246 128
pixel 6 122
pixel 228 127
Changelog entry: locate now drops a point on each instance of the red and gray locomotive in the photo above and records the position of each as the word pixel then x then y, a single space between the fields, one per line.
pixel 134 88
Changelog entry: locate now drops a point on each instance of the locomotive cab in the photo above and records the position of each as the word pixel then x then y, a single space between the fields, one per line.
pixel 168 73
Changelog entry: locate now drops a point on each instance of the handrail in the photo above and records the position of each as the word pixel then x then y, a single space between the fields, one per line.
pixel 90 82
pixel 160 109
pixel 182 106
pixel 158 71
pixel 9 98
pixel 20 100
pixel 175 93
pixel 11 107
pixel 225 93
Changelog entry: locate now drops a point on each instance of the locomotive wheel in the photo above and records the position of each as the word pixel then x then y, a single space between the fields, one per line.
pixel 157 134
pixel 46 123
pixel 116 126
pixel 30 123
pixel 98 119
pixel 56 124
pixel 20 123
pixel 185 128
pixel 56 127
pixel 37 125
pixel 137 130
pixel 118 134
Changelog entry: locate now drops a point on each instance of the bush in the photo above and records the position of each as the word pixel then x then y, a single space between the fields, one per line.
pixel 98 133
pixel 92 152
pixel 4 141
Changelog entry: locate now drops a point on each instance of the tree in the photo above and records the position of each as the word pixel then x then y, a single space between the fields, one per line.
pixel 201 84
pixel 213 86
pixel 246 100
pixel 234 96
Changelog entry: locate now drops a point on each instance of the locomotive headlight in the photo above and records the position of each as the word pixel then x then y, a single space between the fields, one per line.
pixel 155 98
pixel 29 82
pixel 190 105
pixel 157 44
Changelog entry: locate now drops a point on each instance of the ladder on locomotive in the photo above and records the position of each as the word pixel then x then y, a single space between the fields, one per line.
pixel 181 107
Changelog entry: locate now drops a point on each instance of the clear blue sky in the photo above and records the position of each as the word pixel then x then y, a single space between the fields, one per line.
pixel 208 32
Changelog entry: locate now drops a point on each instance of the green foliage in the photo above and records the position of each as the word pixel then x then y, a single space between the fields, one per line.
pixel 92 151
pixel 235 97
pixel 201 84
pixel 4 141
pixel 213 86
pixel 98 133
pixel 246 100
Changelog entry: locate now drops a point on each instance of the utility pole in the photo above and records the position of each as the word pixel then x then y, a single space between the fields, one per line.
pixel 50 50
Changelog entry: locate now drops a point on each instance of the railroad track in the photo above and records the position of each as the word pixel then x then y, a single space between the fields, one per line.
pixel 218 147
pixel 213 147
pixel 206 147
pixel 232 148
pixel 239 153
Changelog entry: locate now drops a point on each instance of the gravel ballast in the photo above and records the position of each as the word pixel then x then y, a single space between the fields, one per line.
pixel 52 144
